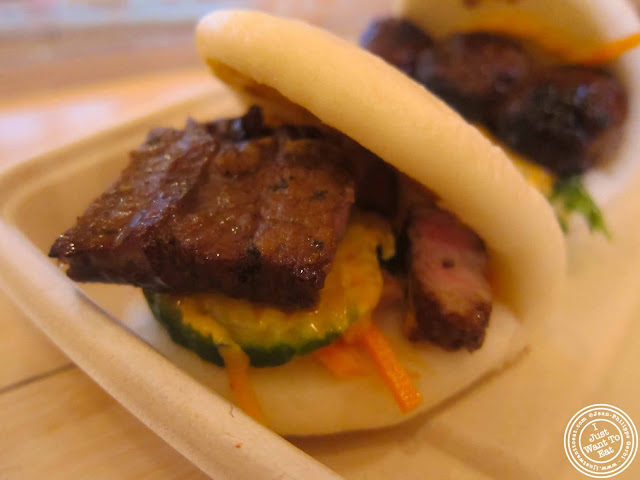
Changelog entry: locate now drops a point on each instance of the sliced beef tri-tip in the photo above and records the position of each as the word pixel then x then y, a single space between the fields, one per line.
pixel 231 206
pixel 449 291
pixel 256 212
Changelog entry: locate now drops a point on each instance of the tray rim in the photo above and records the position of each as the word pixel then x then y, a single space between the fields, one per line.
pixel 209 437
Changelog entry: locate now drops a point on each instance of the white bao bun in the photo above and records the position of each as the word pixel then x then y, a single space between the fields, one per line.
pixel 288 64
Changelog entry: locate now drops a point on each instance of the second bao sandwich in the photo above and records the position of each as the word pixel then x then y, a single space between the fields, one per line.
pixel 279 238
pixel 555 82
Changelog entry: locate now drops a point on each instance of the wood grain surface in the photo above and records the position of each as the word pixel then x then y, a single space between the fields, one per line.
pixel 64 426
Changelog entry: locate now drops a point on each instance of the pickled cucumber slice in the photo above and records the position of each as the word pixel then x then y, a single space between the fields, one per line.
pixel 206 323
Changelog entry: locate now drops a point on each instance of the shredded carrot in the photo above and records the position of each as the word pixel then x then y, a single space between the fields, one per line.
pixel 390 369
pixel 341 359
pixel 355 331
pixel 237 368
pixel 610 51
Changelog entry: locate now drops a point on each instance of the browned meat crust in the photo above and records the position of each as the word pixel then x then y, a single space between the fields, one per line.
pixel 231 206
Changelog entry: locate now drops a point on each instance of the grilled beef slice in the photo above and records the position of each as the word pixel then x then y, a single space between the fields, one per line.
pixel 230 206
pixel 257 213
pixel 449 289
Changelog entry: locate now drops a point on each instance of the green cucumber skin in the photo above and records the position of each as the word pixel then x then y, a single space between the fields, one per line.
pixel 181 333
pixel 207 349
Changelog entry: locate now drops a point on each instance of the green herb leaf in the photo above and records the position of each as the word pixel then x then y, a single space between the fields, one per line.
pixel 570 197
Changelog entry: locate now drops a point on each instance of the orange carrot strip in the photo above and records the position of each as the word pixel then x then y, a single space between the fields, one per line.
pixel 355 331
pixel 609 51
pixel 390 369
pixel 237 367
pixel 341 359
